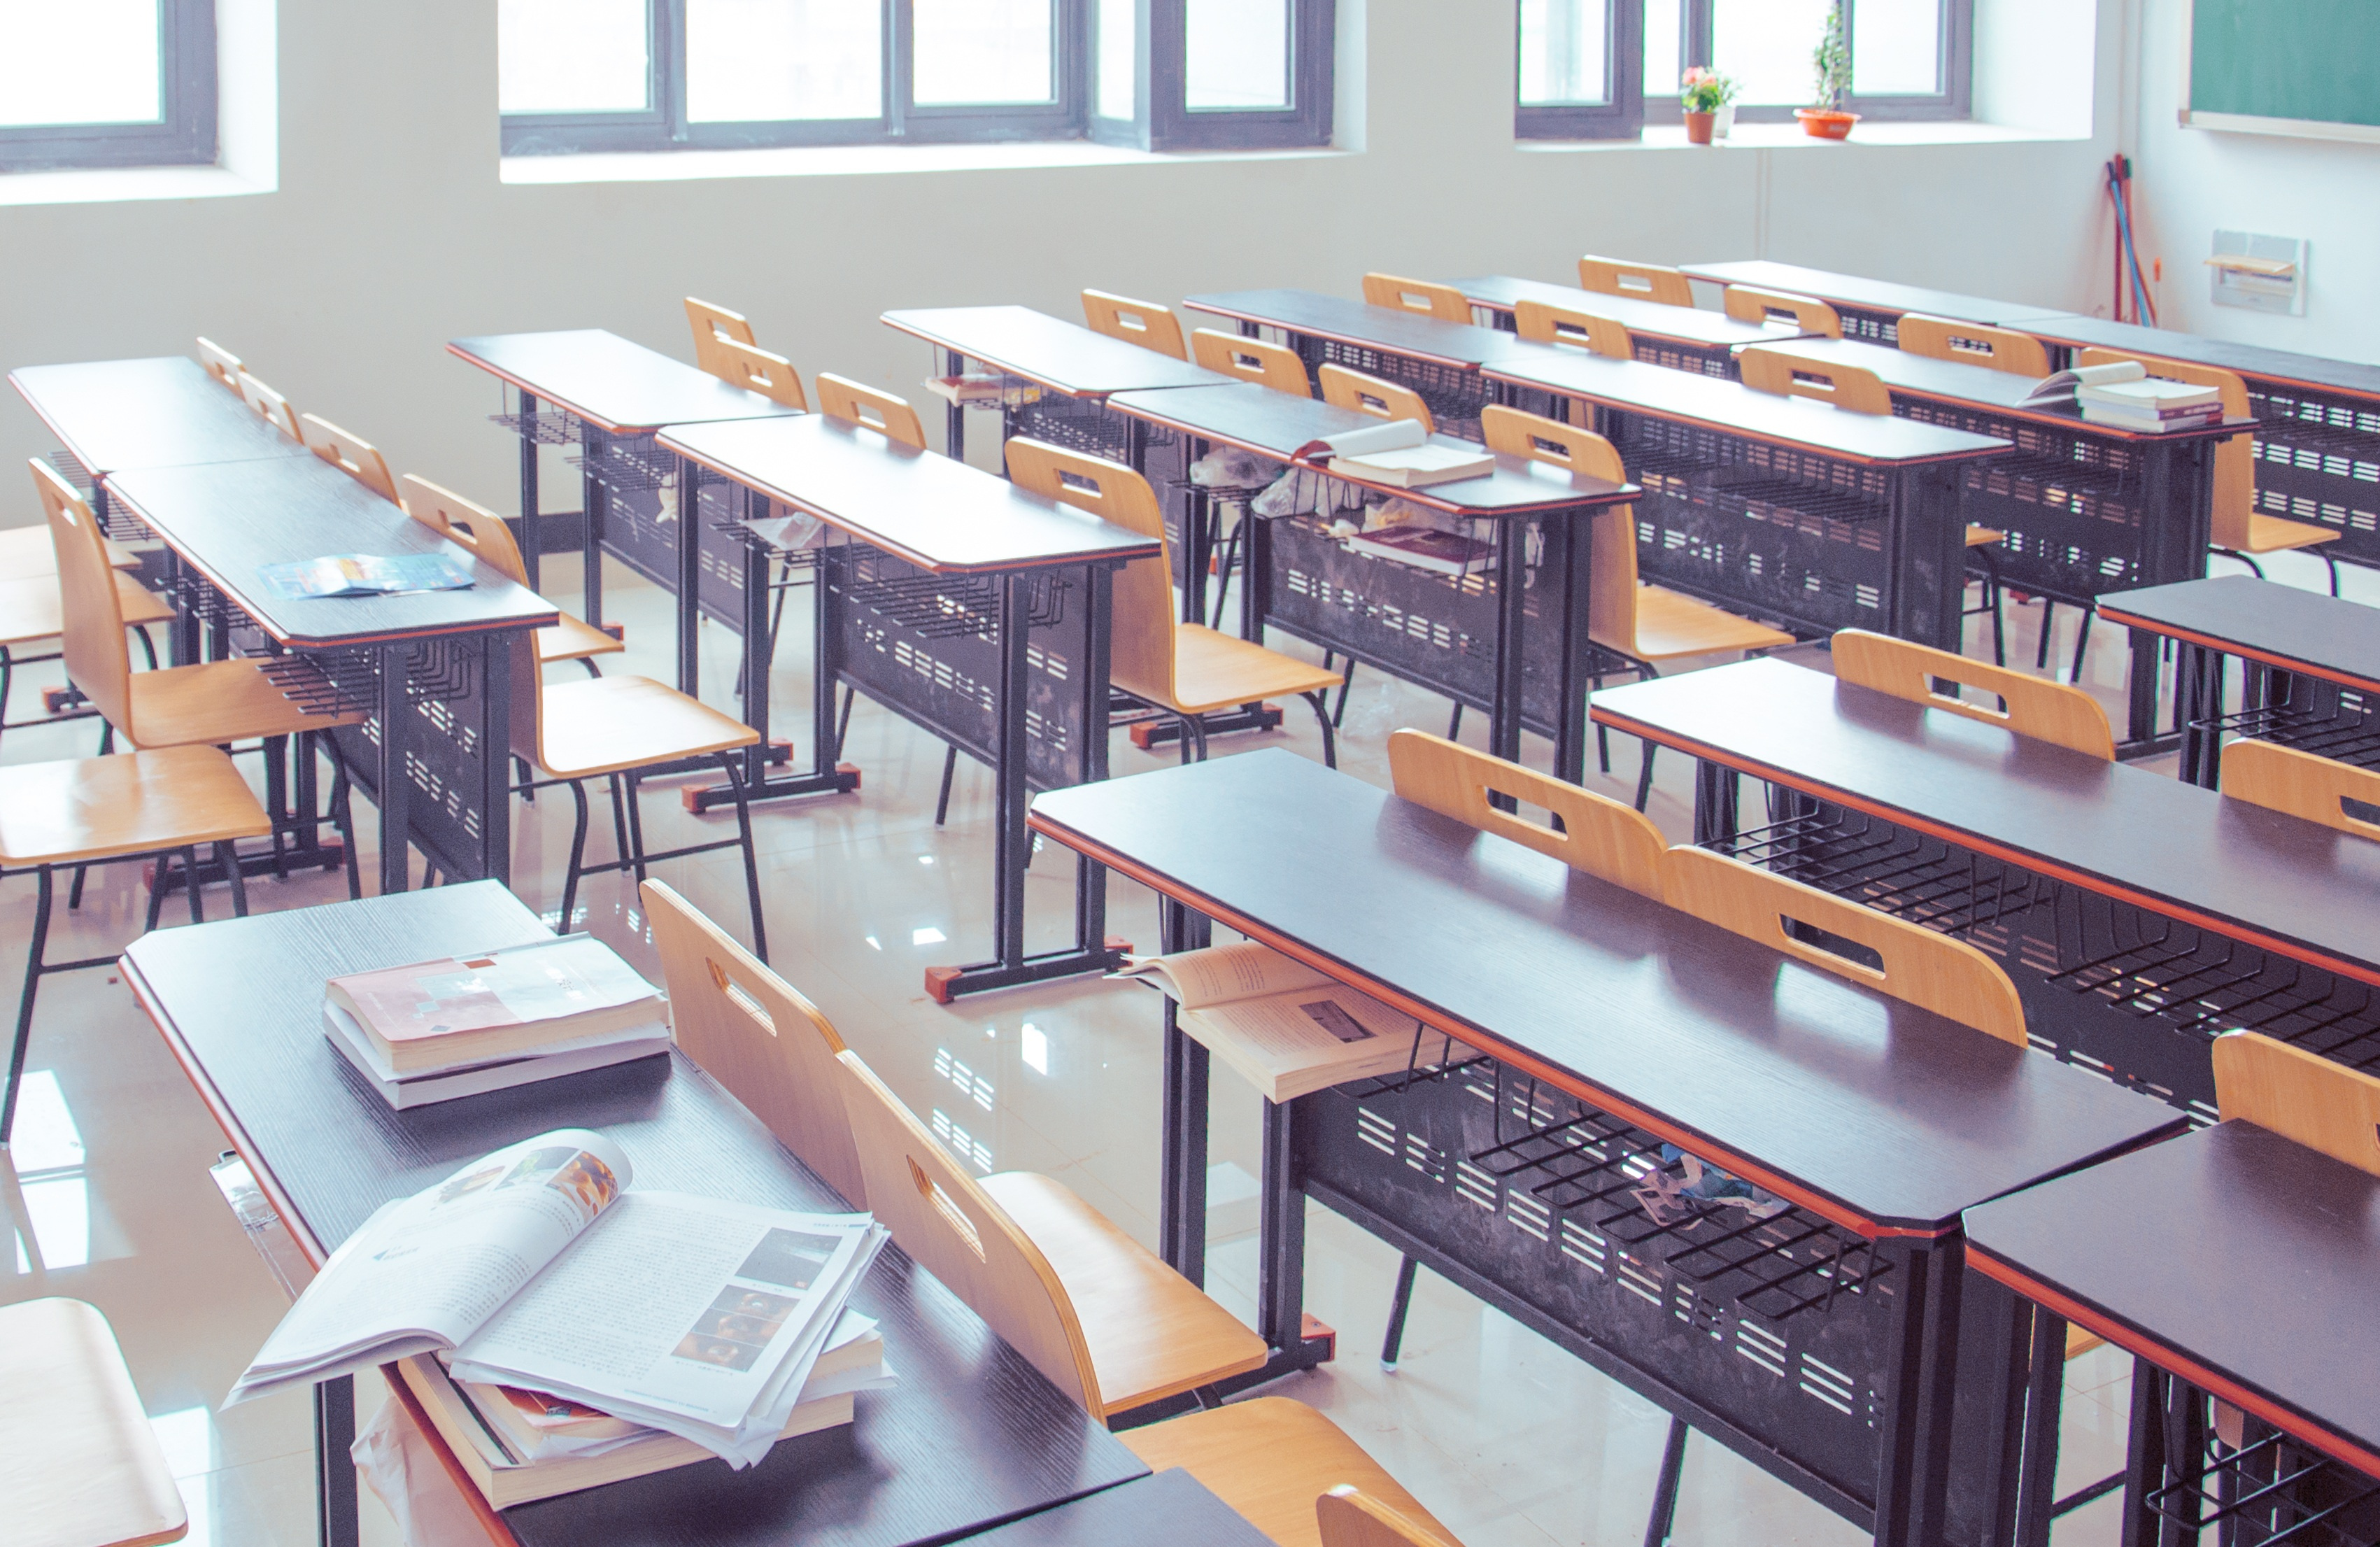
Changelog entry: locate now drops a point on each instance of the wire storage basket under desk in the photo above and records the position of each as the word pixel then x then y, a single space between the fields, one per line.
pixel 1454 396
pixel 2213 1465
pixel 2310 713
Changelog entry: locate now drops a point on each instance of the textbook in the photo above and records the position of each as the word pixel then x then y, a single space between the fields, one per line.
pixel 404 1091
pixel 1399 453
pixel 452 1014
pixel 1287 1028
pixel 538 1267
pixel 2151 403
pixel 983 389
pixel 1442 552
pixel 363 575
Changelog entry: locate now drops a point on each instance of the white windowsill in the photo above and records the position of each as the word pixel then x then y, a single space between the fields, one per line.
pixel 110 184
pixel 842 161
pixel 1789 135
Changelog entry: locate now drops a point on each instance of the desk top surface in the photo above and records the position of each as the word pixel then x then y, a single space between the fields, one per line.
pixel 1689 398
pixel 1316 315
pixel 2252 360
pixel 1164 1509
pixel 230 519
pixel 973 1436
pixel 1064 356
pixel 1260 419
pixel 115 414
pixel 617 386
pixel 1867 294
pixel 2265 621
pixel 1685 324
pixel 938 513
pixel 2230 1256
pixel 2247 871
pixel 1882 1116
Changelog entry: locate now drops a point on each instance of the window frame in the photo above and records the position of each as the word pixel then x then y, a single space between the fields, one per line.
pixel 185 134
pixel 1619 118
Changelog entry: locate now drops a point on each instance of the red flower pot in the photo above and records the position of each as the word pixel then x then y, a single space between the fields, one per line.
pixel 1698 128
pixel 1826 123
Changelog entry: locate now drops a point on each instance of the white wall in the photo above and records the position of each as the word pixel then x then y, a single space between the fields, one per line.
pixel 389 231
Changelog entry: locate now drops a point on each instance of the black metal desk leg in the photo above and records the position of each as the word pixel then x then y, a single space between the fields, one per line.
pixel 2141 690
pixel 496 769
pixel 1181 1185
pixel 532 542
pixel 595 500
pixel 2036 1485
pixel 1512 603
pixel 1280 1248
pixel 1011 842
pixel 1715 803
pixel 758 642
pixel 182 637
pixel 390 782
pixel 1575 533
pixel 335 1470
pixel 954 416
pixel 1913 1461
pixel 2145 1463
pixel 689 582
pixel 2198 695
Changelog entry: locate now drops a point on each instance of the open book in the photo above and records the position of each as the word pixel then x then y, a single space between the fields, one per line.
pixel 2062 387
pixel 1398 452
pixel 1287 1028
pixel 364 575
pixel 537 1268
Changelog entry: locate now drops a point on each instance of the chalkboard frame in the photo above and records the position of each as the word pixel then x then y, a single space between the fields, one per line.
pixel 2243 123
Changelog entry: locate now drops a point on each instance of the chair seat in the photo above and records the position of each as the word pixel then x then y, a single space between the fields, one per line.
pixel 2270 535
pixel 84 809
pixel 1214 670
pixel 216 703
pixel 1271 1459
pixel 574 639
pixel 79 1467
pixel 33 608
pixel 1983 536
pixel 27 552
pixel 1152 1333
pixel 608 724
pixel 1670 625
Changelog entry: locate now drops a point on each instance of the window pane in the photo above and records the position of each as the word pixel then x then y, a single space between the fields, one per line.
pixel 1897 48
pixel 1564 53
pixel 1664 28
pixel 79 62
pixel 773 60
pixel 1767 45
pixel 572 57
pixel 1119 45
pixel 970 52
pixel 1237 55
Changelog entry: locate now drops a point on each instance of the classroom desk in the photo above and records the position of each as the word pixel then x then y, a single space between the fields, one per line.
pixel 972 1437
pixel 2230 1263
pixel 1520 652
pixel 1779 508
pixel 2138 916
pixel 1682 337
pixel 965 605
pixel 430 665
pixel 1821 1346
pixel 1164 1509
pixel 1870 308
pixel 112 415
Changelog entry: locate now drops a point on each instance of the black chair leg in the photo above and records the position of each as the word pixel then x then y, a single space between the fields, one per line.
pixel 2081 644
pixel 1454 723
pixel 195 884
pixel 276 798
pixel 619 820
pixel 635 826
pixel 2048 628
pixel 1339 715
pixel 227 856
pixel 1645 771
pixel 1393 1344
pixel 949 769
pixel 1320 700
pixel 156 889
pixel 148 645
pixel 343 816
pixel 1665 1488
pixel 578 854
pixel 843 721
pixel 525 781
pixel 2333 573
pixel 25 1005
pixel 752 858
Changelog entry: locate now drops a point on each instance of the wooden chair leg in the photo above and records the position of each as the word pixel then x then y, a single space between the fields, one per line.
pixel 752 857
pixel 25 1005
pixel 1665 1487
pixel 1393 1344
pixel 578 854
pixel 950 770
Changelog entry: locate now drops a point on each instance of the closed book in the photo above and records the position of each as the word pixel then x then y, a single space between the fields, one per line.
pixel 1426 548
pixel 437 1014
pixel 2149 395
pixel 1416 466
pixel 429 1088
pixel 2152 424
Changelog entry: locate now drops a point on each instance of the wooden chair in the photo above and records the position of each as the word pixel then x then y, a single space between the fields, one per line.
pixel 1651 282
pixel 353 455
pixel 712 326
pixel 1186 669
pixel 34 609
pixel 1421 297
pixel 1278 1462
pixel 488 538
pixel 79 1466
pixel 755 370
pixel 2019 353
pixel 1343 388
pixel 2305 1098
pixel 270 406
pixel 2316 788
pixel 1749 303
pixel 1136 322
pixel 27 554
pixel 220 363
pixel 1643 625
pixel 1252 359
pixel 2051 711
pixel 1350 1517
pixel 1544 323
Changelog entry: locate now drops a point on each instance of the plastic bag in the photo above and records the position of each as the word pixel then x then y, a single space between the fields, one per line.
pixel 1228 467
pixel 398 1465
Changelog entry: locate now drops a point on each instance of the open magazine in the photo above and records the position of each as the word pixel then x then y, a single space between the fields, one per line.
pixel 1287 1028
pixel 364 575
pixel 535 1267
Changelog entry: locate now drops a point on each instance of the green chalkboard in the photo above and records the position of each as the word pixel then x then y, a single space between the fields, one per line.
pixel 2313 60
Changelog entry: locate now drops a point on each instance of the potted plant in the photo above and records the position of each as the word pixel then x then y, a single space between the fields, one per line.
pixel 1832 58
pixel 1704 96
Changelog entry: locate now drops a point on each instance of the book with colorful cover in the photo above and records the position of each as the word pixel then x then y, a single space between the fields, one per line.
pixel 453 1013
pixel 364 575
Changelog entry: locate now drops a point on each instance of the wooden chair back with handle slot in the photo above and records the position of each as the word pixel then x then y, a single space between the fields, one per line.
pixel 1932 971
pixel 98 658
pixel 2019 353
pixel 1350 1517
pixel 755 370
pixel 1611 589
pixel 1599 835
pixel 220 363
pixel 951 1227
pixel 2301 783
pixel 1854 389
pixel 270 406
pixel 1643 281
pixel 713 325
pixel 1140 648
pixel 2305 1098
pixel 2233 516
pixel 2046 711
pixel 841 397
pixel 1423 297
pixel 753 1033
pixel 1252 359
pixel 1749 303
pixel 1343 388
pixel 1151 326
pixel 1543 323
pixel 483 534
pixel 352 455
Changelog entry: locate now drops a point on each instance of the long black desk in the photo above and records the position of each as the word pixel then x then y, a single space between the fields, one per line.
pixel 965 605
pixel 1595 1027
pixel 2232 1264
pixel 1682 337
pixel 1870 308
pixel 112 415
pixel 973 1435
pixel 2139 916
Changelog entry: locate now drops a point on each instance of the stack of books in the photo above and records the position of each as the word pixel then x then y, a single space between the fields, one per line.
pixel 1400 453
pixel 2152 403
pixel 439 1029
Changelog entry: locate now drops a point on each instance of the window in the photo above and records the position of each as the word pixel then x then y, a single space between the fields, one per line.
pixel 106 83
pixel 659 75
pixel 1603 69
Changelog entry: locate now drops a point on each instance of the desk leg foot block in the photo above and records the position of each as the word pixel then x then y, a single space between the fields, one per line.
pixel 328 855
pixel 699 799
pixel 1149 733
pixel 946 983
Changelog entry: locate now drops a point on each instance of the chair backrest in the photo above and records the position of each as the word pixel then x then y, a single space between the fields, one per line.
pixel 1343 388
pixel 2044 710
pixel 2019 353
pixel 755 1034
pixel 1252 359
pixel 755 370
pixel 483 534
pixel 712 326
pixel 98 659
pixel 2235 459
pixel 1542 323
pixel 270 406
pixel 841 397
pixel 1136 322
pixel 1140 637
pixel 1643 281
pixel 1932 971
pixel 1611 563
pixel 1749 303
pixel 353 455
pixel 220 362
pixel 1604 837
pixel 1853 388
pixel 2315 789
pixel 2299 1095
pixel 1350 1517
pixel 1422 297
pixel 955 1230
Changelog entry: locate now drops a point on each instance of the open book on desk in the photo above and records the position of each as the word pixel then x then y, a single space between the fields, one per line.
pixel 2062 386
pixel 364 575
pixel 1287 1028
pixel 1398 452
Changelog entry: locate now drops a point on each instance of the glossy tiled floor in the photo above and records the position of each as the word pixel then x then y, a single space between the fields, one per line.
pixel 107 1197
